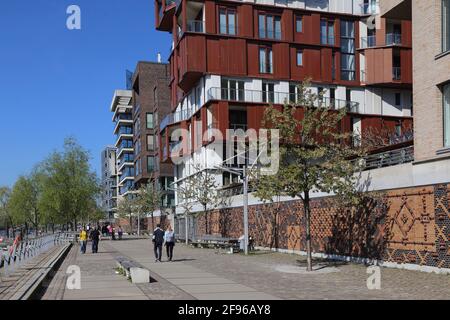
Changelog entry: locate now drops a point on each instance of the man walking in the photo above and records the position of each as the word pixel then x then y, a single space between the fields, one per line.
pixel 83 240
pixel 158 240
pixel 95 237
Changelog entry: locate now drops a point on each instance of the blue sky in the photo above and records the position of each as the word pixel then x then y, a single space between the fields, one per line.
pixel 56 83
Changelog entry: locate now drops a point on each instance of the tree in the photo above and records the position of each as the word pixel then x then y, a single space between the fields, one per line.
pixel 24 201
pixel 205 191
pixel 147 200
pixel 314 154
pixel 126 209
pixel 70 186
pixel 5 215
pixel 186 193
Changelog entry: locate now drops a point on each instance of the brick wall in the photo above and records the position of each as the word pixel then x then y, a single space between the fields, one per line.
pixel 404 226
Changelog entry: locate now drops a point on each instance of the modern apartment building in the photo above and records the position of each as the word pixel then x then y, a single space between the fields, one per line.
pixel 431 77
pixel 109 181
pixel 151 100
pixel 229 59
pixel 122 109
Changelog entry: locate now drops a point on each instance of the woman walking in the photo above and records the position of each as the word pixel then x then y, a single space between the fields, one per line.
pixel 83 240
pixel 169 238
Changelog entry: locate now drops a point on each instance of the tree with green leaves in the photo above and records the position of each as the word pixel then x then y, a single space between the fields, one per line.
pixel 314 154
pixel 70 185
pixel 24 200
pixel 5 214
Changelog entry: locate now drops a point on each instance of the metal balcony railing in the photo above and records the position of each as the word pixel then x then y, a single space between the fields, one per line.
pixel 393 39
pixel 368 42
pixel 396 73
pixel 389 158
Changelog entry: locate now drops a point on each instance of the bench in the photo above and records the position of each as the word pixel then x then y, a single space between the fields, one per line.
pixel 217 242
pixel 133 271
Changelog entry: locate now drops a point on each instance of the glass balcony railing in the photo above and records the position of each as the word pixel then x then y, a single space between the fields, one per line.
pixel 393 39
pixel 396 73
pixel 370 8
pixel 368 42
pixel 196 26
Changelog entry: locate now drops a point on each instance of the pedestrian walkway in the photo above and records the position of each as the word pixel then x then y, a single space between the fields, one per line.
pixel 195 282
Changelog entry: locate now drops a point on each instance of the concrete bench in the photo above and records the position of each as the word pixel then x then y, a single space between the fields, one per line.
pixel 133 271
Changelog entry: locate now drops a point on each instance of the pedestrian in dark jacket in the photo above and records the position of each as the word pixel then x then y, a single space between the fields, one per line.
pixel 158 240
pixel 95 237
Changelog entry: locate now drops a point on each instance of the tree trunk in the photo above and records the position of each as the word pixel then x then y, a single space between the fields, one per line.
pixel 131 223
pixel 153 222
pixel 186 227
pixel 307 212
pixel 138 224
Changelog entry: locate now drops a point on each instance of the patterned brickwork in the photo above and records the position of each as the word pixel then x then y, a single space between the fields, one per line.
pixel 404 226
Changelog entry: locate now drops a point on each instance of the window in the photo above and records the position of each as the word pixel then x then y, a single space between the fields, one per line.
pixel 268 92
pixel 265 60
pixel 327 32
pixel 150 124
pixel 348 50
pixel 150 164
pixel 232 89
pixel 227 17
pixel 269 26
pixel 299 58
pixel 446 101
pixel 299 24
pixel 398 99
pixel 150 142
pixel 445 25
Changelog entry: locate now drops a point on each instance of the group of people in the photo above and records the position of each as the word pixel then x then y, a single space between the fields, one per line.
pixel 160 238
pixel 89 233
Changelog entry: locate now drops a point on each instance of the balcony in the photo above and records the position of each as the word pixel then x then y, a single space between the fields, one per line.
pixel 166 11
pixel 393 39
pixel 396 73
pixel 370 8
pixel 368 42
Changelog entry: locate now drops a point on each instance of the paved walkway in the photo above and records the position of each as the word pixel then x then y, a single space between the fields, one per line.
pixel 208 274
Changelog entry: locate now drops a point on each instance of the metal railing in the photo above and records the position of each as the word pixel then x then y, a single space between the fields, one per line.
pixel 389 158
pixel 396 73
pixel 393 39
pixel 269 34
pixel 19 252
pixel 256 96
pixel 368 42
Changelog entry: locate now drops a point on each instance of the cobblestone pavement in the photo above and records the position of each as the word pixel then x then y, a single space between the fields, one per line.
pixel 260 272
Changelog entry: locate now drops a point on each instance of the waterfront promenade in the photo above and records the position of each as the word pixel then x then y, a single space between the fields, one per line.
pixel 200 274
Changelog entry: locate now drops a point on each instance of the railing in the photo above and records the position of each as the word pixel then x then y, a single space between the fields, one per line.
pixel 389 158
pixel 363 76
pixel 256 96
pixel 396 73
pixel 19 252
pixel 370 8
pixel 368 42
pixel 393 39
pixel 264 34
pixel 228 29
pixel 265 68
pixel 196 26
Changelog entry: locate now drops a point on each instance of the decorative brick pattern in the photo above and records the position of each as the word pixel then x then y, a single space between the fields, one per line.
pixel 404 226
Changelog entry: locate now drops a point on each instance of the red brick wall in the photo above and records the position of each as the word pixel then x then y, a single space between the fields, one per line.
pixel 404 226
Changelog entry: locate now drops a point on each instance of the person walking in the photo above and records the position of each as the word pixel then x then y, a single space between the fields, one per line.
pixel 158 240
pixel 120 232
pixel 169 238
pixel 83 240
pixel 95 237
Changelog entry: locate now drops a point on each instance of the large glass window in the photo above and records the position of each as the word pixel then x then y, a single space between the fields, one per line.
pixel 445 25
pixel 348 64
pixel 299 24
pixel 227 17
pixel 446 115
pixel 150 164
pixel 269 26
pixel 299 58
pixel 265 60
pixel 232 89
pixel 150 124
pixel 327 32
pixel 268 92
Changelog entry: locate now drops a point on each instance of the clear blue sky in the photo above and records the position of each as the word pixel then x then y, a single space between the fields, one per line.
pixel 55 83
